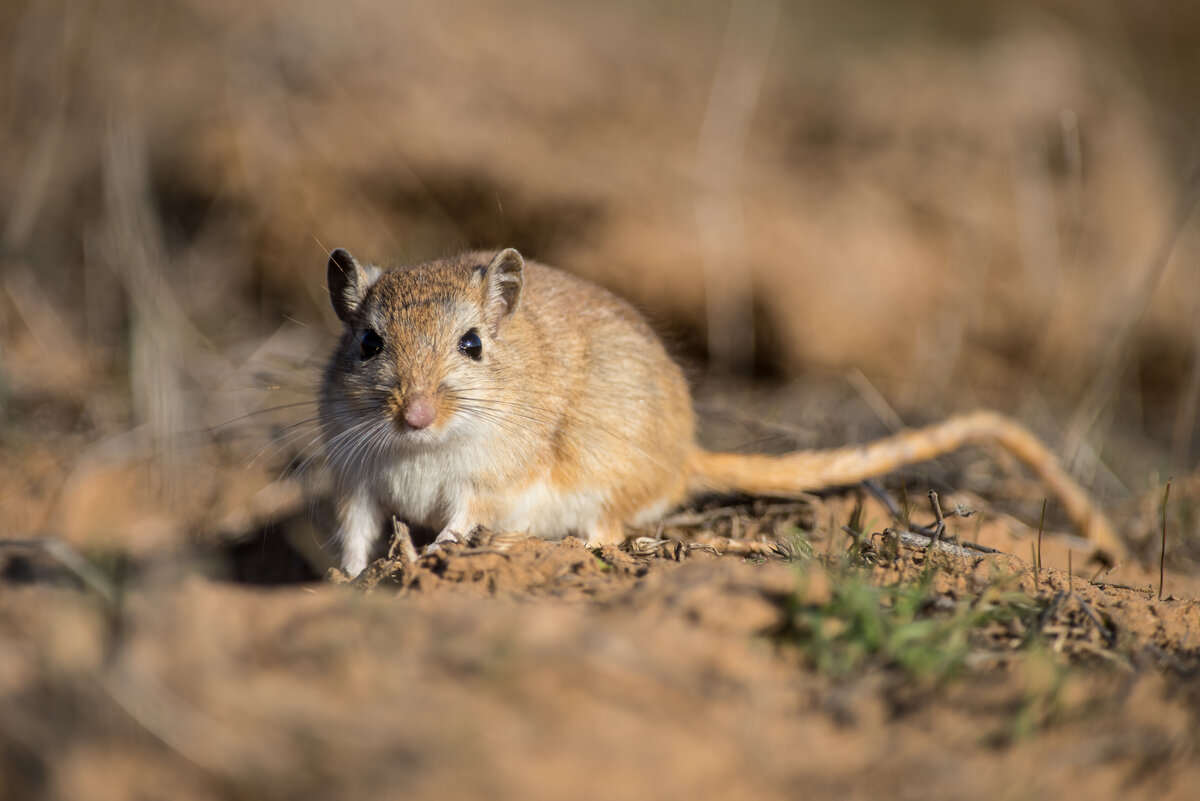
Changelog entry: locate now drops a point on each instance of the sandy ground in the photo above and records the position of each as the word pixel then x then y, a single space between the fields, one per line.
pixel 538 670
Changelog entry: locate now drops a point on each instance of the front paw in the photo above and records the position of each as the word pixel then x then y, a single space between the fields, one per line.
pixel 447 537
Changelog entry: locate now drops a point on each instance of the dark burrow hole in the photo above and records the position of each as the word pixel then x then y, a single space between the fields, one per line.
pixel 284 551
pixel 270 557
pixel 266 558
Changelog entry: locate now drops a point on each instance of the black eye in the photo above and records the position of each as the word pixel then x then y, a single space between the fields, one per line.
pixel 471 345
pixel 370 344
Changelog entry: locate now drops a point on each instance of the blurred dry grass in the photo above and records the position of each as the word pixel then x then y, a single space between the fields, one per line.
pixel 972 206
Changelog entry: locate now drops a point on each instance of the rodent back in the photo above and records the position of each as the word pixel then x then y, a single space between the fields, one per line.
pixel 626 402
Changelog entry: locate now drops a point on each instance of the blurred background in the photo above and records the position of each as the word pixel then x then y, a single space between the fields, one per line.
pixel 869 215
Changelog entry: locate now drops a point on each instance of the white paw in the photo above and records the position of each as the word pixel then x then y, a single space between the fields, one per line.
pixel 354 564
pixel 446 537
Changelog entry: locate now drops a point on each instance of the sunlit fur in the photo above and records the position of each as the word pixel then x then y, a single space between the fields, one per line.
pixel 573 421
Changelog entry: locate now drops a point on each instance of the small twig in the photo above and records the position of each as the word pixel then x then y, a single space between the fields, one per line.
pixel 1162 556
pixel 937 511
pixel 1110 638
pixel 856 537
pixel 402 554
pixel 1117 586
pixel 1051 609
pixel 873 486
pixel 402 547
pixel 894 509
pixel 974 546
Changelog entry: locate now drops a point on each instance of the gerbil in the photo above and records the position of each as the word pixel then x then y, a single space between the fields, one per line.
pixel 484 390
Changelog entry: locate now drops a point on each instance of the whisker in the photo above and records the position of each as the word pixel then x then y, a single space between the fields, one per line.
pixel 258 412
pixel 482 413
pixel 287 435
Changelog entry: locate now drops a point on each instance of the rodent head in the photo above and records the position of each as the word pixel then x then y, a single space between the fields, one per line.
pixel 419 343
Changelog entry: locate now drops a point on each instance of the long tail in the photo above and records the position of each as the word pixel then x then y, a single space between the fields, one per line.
pixel 807 471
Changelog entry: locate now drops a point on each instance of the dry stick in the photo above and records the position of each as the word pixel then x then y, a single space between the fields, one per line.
pixel 1110 637
pixel 909 539
pixel 402 553
pixel 941 521
pixel 402 547
pixel 1162 556
pixel 974 546
pixel 1118 586
pixel 883 496
pixel 1051 609
pixel 873 486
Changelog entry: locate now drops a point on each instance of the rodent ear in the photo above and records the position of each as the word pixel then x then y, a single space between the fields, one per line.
pixel 347 284
pixel 504 276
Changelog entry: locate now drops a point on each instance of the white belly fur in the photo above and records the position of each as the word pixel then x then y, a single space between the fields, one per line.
pixel 426 488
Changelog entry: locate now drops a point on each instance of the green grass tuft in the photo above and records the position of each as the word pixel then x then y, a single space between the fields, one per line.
pixel 906 626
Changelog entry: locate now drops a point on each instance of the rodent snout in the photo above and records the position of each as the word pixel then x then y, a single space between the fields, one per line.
pixel 419 412
pixel 413 410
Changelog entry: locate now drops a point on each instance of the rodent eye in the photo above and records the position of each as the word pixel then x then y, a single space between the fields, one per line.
pixel 471 344
pixel 370 344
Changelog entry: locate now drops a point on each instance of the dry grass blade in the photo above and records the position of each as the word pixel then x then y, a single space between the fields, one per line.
pixel 71 559
pixel 1133 311
pixel 1037 586
pixel 1041 527
pixel 723 134
pixel 1162 556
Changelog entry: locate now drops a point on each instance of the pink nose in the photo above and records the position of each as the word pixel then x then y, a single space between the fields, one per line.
pixel 420 412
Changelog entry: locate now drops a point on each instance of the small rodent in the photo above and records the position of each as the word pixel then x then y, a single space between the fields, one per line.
pixel 485 390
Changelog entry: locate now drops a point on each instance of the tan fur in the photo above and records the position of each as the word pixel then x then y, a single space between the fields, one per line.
pixel 574 420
